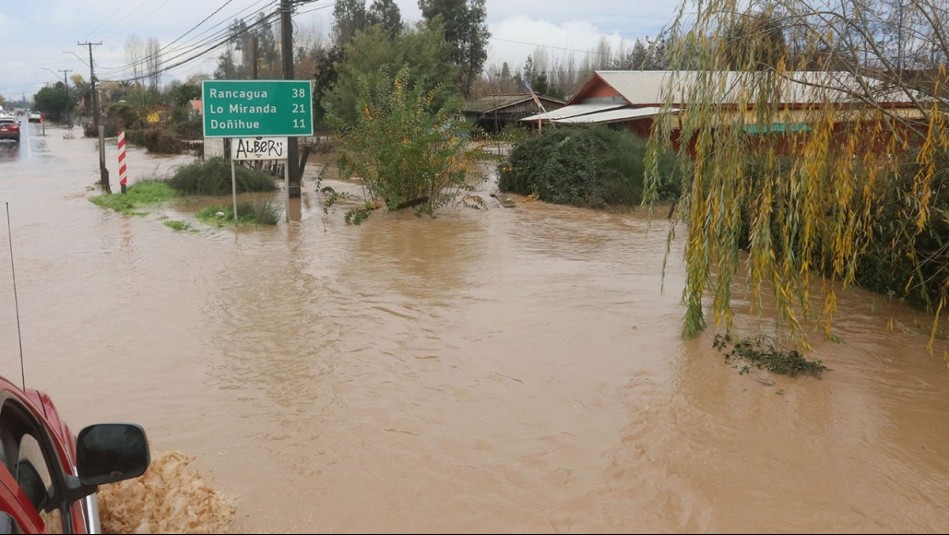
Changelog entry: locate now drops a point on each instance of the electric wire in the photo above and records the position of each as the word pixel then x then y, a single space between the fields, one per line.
pixel 16 301
pixel 101 22
pixel 200 48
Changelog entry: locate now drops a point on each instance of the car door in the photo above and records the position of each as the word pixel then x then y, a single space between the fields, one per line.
pixel 31 477
pixel 13 504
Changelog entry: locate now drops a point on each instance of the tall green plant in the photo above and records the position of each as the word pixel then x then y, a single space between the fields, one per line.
pixel 422 49
pixel 403 148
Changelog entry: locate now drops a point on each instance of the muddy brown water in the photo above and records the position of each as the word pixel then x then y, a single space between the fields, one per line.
pixel 500 370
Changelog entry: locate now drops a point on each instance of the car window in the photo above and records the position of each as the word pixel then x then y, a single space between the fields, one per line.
pixel 28 455
pixel 32 473
pixel 8 523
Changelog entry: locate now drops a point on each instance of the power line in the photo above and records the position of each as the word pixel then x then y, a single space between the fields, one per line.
pixel 191 54
pixel 117 10
pixel 197 48
pixel 142 17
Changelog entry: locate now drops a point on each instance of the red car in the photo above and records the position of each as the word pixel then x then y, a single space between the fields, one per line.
pixel 48 476
pixel 10 128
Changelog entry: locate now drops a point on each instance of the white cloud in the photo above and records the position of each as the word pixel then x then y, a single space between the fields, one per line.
pixel 41 38
pixel 514 39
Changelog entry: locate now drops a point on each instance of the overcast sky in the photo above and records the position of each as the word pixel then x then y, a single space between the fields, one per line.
pixel 39 38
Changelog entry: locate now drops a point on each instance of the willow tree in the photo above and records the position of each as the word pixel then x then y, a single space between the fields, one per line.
pixel 815 145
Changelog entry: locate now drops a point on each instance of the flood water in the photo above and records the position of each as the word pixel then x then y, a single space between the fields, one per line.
pixel 500 370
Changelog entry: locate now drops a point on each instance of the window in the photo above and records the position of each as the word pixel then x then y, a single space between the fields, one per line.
pixel 30 457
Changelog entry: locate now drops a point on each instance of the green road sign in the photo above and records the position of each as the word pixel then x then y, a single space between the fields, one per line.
pixel 249 108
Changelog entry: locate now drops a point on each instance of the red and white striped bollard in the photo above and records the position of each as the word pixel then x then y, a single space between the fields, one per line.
pixel 122 169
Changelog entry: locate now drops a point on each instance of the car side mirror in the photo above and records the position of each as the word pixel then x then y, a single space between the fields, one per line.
pixel 106 453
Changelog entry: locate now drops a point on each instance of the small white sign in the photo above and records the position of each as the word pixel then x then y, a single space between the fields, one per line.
pixel 259 148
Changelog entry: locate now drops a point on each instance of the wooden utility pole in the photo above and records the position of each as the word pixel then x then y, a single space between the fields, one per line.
pixel 256 57
pixel 64 71
pixel 103 171
pixel 286 45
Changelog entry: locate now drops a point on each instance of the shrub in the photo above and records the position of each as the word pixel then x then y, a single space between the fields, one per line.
pixel 188 128
pixel 213 177
pixel 135 136
pixel 110 128
pixel 404 148
pixel 904 260
pixel 162 141
pixel 594 167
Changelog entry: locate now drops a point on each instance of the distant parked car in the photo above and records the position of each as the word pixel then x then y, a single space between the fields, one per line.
pixel 48 476
pixel 10 128
pixel 35 117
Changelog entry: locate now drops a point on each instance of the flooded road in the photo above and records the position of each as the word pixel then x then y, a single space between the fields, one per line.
pixel 499 370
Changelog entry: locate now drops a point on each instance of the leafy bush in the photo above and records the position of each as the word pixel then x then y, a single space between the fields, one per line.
pixel 898 259
pixel 903 260
pixel 404 148
pixel 161 140
pixel 110 128
pixel 186 128
pixel 135 136
pixel 594 167
pixel 213 177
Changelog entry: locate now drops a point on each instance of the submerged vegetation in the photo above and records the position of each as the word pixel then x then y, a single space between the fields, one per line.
pixel 213 177
pixel 407 148
pixel 593 167
pixel 257 212
pixel 204 178
pixel 143 193
pixel 764 353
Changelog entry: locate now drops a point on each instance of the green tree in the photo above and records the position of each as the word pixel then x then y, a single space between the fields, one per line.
pixel 421 50
pixel 249 44
pixel 386 13
pixel 405 148
pixel 349 18
pixel 82 92
pixel 465 30
pixel 776 215
pixel 326 62
pixel 181 94
pixel 142 102
pixel 536 77
pixel 758 42
pixel 55 101
pixel 226 67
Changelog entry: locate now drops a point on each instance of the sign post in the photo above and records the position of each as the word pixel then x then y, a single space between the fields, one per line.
pixel 257 149
pixel 260 113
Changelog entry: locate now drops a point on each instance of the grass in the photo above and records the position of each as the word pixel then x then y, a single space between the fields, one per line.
pixel 174 224
pixel 248 213
pixel 199 178
pixel 144 193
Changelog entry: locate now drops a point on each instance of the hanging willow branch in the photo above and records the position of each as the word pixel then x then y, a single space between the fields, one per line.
pixel 814 144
